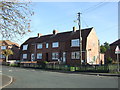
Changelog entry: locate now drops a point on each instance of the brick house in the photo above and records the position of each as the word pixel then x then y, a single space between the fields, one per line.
pixel 6 44
pixel 111 51
pixel 63 47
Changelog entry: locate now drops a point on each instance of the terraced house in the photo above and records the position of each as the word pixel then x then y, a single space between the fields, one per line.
pixel 63 47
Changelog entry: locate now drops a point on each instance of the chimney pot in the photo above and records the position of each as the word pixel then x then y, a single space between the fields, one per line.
pixel 39 34
pixel 74 29
pixel 55 31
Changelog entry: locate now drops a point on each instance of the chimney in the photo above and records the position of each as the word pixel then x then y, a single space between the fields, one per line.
pixel 39 34
pixel 55 31
pixel 74 29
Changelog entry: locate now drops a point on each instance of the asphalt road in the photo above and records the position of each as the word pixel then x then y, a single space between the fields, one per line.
pixel 6 80
pixel 31 78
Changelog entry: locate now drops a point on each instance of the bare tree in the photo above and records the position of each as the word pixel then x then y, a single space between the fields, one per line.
pixel 14 19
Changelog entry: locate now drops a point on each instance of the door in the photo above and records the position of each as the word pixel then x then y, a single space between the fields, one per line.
pixel 64 57
pixel 32 57
pixel 47 57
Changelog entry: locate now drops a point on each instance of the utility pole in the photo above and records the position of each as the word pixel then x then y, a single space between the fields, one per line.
pixel 79 24
pixel 118 61
pixel 117 51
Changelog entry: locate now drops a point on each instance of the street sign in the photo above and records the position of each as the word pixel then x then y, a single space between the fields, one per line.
pixel 117 50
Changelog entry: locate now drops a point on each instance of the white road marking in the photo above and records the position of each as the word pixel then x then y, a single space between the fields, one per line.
pixel 11 80
pixel 10 70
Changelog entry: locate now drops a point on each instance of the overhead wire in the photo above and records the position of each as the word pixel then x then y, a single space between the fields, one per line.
pixel 92 8
pixel 84 22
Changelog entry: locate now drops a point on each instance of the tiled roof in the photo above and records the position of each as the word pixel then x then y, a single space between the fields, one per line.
pixel 7 42
pixel 117 42
pixel 63 36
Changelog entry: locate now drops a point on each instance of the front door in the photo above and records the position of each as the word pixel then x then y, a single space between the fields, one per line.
pixel 47 57
pixel 64 57
pixel 32 57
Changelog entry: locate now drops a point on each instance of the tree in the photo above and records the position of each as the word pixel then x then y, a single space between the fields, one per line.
pixel 102 49
pixel 14 19
pixel 6 53
pixel 109 60
pixel 106 45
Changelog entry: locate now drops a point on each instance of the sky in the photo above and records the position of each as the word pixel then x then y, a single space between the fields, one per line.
pixel 103 16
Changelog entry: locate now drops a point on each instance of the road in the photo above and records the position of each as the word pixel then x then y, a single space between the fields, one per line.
pixel 35 78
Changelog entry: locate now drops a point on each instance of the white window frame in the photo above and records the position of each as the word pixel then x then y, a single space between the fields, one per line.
pixel 24 56
pixel 25 47
pixel 75 43
pixel 55 55
pixel 3 47
pixel 39 46
pixel 75 55
pixel 47 45
pixel 39 55
pixel 55 44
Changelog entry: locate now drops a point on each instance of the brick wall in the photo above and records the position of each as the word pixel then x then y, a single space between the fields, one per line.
pixel 92 48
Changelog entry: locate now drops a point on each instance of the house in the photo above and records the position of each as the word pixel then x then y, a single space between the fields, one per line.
pixel 6 44
pixel 111 51
pixel 63 47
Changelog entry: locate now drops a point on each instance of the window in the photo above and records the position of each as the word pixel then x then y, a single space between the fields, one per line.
pixel 39 56
pixel 55 55
pixel 75 55
pixel 75 42
pixel 24 56
pixel 55 44
pixel 3 47
pixel 2 56
pixel 39 46
pixel 25 47
pixel 47 45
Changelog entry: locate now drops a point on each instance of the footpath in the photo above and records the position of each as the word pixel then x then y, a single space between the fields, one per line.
pixel 86 73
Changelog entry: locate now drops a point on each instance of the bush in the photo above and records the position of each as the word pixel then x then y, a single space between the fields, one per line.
pixel 109 60
pixel 13 65
pixel 43 64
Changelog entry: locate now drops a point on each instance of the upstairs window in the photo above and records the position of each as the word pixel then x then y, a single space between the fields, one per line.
pixel 75 43
pixel 25 47
pixel 3 47
pixel 39 46
pixel 24 56
pixel 55 55
pixel 47 45
pixel 55 44
pixel 75 55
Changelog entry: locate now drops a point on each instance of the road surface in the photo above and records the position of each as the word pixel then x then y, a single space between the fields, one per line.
pixel 36 78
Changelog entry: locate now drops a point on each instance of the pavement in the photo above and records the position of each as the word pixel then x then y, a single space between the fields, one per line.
pixel 86 73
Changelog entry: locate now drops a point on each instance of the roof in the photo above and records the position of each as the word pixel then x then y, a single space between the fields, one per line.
pixel 8 42
pixel 117 42
pixel 59 36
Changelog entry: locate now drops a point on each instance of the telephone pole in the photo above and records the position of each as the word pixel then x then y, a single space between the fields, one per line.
pixel 79 24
